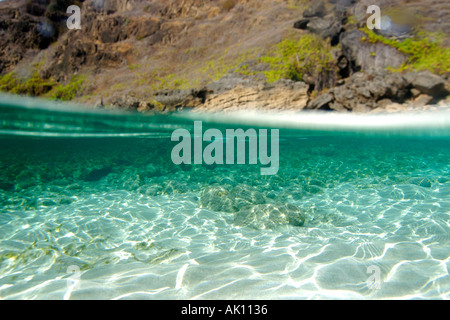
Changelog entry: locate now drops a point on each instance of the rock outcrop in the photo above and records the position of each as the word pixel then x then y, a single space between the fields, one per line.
pixel 366 92
pixel 268 216
pixel 317 20
pixel 251 207
pixel 225 95
pixel 281 95
pixel 27 27
pixel 124 45
pixel 366 56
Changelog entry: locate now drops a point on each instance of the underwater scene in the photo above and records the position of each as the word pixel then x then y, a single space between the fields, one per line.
pixel 92 206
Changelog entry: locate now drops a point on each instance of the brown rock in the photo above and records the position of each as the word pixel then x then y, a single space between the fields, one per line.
pixel 321 102
pixel 282 95
pixel 395 107
pixel 422 100
pixel 415 92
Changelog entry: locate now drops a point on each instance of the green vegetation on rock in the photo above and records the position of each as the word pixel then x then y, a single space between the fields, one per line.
pixel 308 57
pixel 34 85
pixel 37 86
pixel 425 51
pixel 69 91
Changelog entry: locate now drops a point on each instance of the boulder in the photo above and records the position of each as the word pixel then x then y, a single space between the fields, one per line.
pixel 125 102
pixel 302 24
pixel 427 83
pixel 422 100
pixel 326 28
pixel 96 174
pixel 269 216
pixel 321 102
pixel 6 186
pixel 367 56
pixel 218 198
pixel 244 195
pixel 364 92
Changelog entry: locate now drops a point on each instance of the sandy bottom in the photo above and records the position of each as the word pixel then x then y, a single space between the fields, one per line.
pixel 377 224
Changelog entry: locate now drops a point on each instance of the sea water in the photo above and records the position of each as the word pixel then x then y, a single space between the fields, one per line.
pixel 92 207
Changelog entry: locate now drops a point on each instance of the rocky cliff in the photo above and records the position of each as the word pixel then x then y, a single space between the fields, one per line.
pixel 219 54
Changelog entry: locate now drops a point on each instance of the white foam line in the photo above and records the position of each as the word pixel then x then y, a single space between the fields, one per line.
pixel 180 276
pixel 329 120
pixel 78 135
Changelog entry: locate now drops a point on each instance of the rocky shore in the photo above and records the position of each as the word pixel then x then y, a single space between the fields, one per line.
pixel 363 76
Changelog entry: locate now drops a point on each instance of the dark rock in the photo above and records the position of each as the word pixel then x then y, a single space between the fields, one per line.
pixel 97 174
pixel 6 186
pixel 397 86
pixel 326 28
pixel 362 92
pixel 368 56
pixel 125 102
pixel 427 83
pixel 421 182
pixel 48 203
pixel 342 63
pixel 302 24
pixel 316 9
pixel 180 98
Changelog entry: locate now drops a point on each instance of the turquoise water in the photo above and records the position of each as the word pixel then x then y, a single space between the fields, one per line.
pixel 97 193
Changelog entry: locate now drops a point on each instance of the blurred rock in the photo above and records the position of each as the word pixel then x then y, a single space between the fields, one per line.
pixel 268 216
pixel 427 83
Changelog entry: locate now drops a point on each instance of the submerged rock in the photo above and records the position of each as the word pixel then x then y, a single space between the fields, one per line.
pixel 268 216
pixel 218 198
pixel 173 186
pixel 244 195
pixel 6 186
pixel 421 182
pixel 97 174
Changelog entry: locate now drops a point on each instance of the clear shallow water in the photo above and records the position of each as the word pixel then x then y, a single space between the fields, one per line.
pixel 100 192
